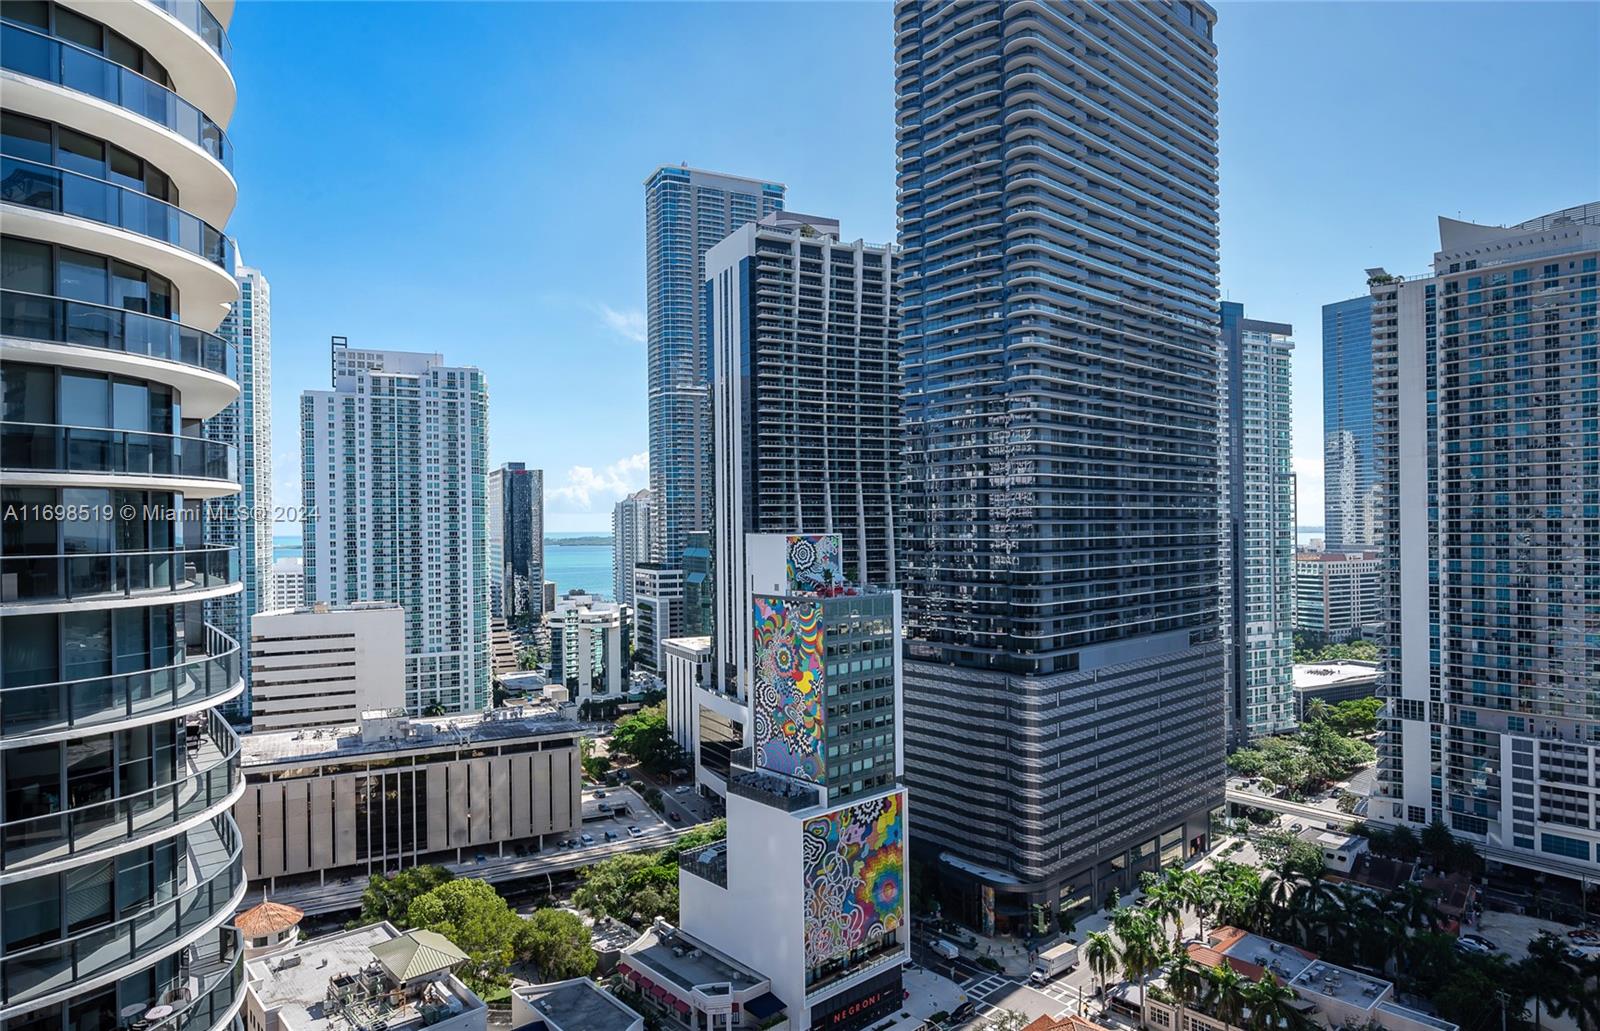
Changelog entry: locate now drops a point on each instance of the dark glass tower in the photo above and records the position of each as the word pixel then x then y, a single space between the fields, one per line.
pixel 1350 491
pixel 1058 212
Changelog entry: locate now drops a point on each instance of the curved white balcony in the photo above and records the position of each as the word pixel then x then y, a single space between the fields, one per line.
pixel 116 579
pixel 199 70
pixel 46 455
pixel 76 334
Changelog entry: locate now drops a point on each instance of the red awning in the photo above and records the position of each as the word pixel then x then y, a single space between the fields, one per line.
pixel 681 1006
pixel 631 974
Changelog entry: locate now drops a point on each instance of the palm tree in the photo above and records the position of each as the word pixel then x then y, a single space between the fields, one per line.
pixel 1412 905
pixel 1100 952
pixel 1549 978
pixel 1165 905
pixel 1201 892
pixel 1141 952
pixel 1185 981
pixel 1224 994
pixel 1271 1004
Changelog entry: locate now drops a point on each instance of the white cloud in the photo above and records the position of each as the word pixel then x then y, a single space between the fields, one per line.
pixel 629 324
pixel 585 489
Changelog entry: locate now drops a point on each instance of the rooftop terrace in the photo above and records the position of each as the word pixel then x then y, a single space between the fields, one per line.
pixel 686 962
pixel 403 734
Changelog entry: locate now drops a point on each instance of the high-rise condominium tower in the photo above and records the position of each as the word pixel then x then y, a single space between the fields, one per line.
pixel 120 866
pixel 1350 491
pixel 686 211
pixel 244 520
pixel 1258 524
pixel 632 529
pixel 394 464
pixel 1484 386
pixel 803 339
pixel 516 542
pixel 1058 217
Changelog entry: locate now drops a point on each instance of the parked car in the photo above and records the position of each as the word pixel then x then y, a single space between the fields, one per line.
pixel 681 789
pixel 1471 947
pixel 611 835
pixel 634 832
pixel 674 817
pixel 599 794
pixel 587 839
pixel 1480 940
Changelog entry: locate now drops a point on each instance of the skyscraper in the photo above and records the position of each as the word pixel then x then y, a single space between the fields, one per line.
pixel 802 336
pixel 1484 390
pixel 516 542
pixel 120 866
pixel 1058 225
pixel 1350 491
pixel 1258 587
pixel 632 530
pixel 244 520
pixel 686 211
pixel 394 465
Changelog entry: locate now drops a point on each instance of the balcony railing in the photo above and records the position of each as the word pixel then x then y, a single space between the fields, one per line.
pixel 215 973
pixel 48 188
pixel 210 780
pixel 55 966
pixel 106 701
pixel 709 863
pixel 47 578
pixel 66 64
pixel 57 320
pixel 39 447
pixel 196 17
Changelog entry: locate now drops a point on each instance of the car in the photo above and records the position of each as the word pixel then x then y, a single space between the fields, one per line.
pixel 624 775
pixel 605 807
pixel 587 839
pixel 1297 826
pixel 634 832
pixel 1470 947
pixel 674 817
pixel 681 789
pixel 480 857
pixel 611 835
pixel 599 794
pixel 1480 940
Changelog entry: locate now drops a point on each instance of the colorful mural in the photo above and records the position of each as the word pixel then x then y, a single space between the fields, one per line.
pixel 854 877
pixel 815 560
pixel 788 687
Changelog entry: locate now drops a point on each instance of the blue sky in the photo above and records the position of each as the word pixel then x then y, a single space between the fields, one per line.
pixel 467 177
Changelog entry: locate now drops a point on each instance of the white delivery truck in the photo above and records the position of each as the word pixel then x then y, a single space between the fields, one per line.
pixel 1057 959
pixel 945 949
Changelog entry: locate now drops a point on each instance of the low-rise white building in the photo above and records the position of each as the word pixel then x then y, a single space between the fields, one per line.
pixel 575 1005
pixel 322 666
pixel 687 667
pixel 1333 682
pixel 368 977
pixel 590 643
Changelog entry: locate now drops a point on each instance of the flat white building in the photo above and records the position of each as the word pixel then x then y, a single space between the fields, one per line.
pixel 324 667
pixel 287 585
pixel 657 611
pixel 687 669
pixel 632 534
pixel 590 641
pixel 395 482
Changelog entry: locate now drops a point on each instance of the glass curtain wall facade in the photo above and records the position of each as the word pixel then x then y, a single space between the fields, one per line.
pixel 687 211
pixel 120 866
pixel 1058 226
pixel 515 553
pixel 1350 491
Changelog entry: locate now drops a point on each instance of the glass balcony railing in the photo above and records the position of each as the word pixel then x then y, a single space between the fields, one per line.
pixel 37 447
pixel 211 773
pixel 44 578
pixel 218 876
pixel 214 979
pixel 48 188
pixel 66 64
pixel 57 320
pixel 106 701
pixel 196 17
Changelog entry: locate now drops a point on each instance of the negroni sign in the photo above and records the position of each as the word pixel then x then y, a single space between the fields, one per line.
pixel 860 1006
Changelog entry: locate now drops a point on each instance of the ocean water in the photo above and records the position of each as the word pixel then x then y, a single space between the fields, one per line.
pixel 286 546
pixel 585 566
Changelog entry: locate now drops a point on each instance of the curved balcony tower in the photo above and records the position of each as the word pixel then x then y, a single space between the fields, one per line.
pixel 120 866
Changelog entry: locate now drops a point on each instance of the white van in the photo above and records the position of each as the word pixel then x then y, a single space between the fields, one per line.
pixel 945 949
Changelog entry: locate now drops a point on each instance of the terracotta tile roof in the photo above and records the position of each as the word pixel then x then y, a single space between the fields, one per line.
pixel 1069 1022
pixel 267 919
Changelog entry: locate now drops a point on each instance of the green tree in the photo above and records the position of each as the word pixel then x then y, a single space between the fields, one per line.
pixel 647 738
pixel 1548 979
pixel 1224 994
pixel 389 896
pixel 1271 1004
pixel 1141 950
pixel 559 944
pixel 473 915
pixel 1289 854
pixel 1101 953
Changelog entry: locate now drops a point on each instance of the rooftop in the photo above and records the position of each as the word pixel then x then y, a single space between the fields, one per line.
pixel 1348 986
pixel 404 734
pixel 1251 955
pixel 1326 674
pixel 267 919
pixel 417 954
pixel 578 1005
pixel 685 961
pixel 335 983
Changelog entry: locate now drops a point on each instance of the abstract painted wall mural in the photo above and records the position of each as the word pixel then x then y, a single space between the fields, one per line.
pixel 788 687
pixel 814 560
pixel 854 877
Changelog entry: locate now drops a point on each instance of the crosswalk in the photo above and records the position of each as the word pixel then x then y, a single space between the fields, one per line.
pixel 992 993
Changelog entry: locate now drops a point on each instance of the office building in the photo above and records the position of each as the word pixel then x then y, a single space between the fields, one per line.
pixel 120 866
pixel 1060 558
pixel 516 543
pixel 389 791
pixel 363 978
pixel 394 473
pixel 686 212
pixel 591 642
pixel 657 609
pixel 244 520
pixel 1350 490
pixel 809 887
pixel 1333 682
pixel 686 669
pixel 1486 454
pixel 632 530
pixel 698 586
pixel 323 667
pixel 1337 596
pixel 805 366
pixel 287 585
pixel 1258 525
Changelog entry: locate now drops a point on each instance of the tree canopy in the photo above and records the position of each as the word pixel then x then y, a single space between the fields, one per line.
pixel 473 916
pixel 636 888
pixel 389 897
pixel 559 943
pixel 646 736
pixel 1316 755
